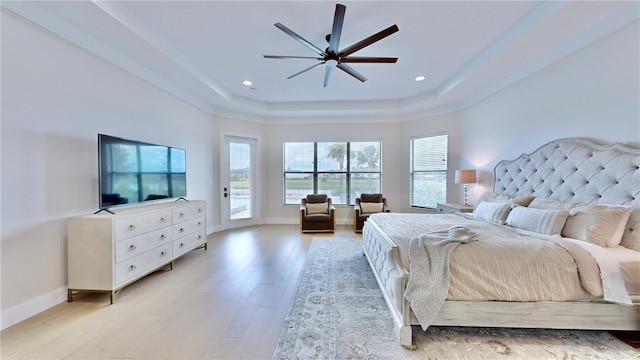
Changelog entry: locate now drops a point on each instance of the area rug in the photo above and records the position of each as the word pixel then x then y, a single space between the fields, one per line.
pixel 338 312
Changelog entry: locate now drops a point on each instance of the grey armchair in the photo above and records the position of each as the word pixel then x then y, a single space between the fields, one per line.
pixel 317 214
pixel 361 215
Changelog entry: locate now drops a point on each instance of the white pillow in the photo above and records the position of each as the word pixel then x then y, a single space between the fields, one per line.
pixel 492 211
pixel 490 196
pixel 550 204
pixel 368 207
pixel 318 208
pixel 598 224
pixel 542 221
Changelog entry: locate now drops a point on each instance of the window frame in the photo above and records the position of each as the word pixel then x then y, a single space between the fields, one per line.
pixel 347 172
pixel 413 172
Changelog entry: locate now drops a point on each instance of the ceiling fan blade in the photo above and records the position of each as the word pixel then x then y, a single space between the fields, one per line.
pixel 300 39
pixel 351 71
pixel 368 41
pixel 366 59
pixel 336 31
pixel 292 57
pixel 305 70
pixel 327 75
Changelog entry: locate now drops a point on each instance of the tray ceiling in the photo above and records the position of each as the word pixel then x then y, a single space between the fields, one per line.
pixel 202 51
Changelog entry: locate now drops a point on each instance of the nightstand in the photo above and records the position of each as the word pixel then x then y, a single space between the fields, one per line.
pixel 450 208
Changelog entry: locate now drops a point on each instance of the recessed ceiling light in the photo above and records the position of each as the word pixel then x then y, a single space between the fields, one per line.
pixel 247 82
pixel 420 78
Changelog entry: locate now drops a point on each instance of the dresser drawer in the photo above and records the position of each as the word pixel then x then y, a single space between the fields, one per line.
pixel 188 242
pixel 188 212
pixel 188 227
pixel 132 226
pixel 136 245
pixel 130 268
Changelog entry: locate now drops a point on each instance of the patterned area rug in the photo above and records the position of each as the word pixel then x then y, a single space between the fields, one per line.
pixel 338 312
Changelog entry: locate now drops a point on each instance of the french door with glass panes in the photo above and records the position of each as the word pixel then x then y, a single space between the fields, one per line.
pixel 238 179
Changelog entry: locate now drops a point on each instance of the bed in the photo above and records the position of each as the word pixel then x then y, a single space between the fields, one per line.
pixel 575 179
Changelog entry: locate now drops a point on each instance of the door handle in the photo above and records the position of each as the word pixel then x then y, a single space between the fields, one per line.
pixel 225 192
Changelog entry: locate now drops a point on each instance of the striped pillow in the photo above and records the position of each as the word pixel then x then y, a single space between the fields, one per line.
pixel 492 211
pixel 598 224
pixel 542 221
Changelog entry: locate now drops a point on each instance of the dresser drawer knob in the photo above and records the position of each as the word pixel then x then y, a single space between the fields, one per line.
pixel 132 247
pixel 181 230
pixel 163 253
pixel 181 214
pixel 199 223
pixel 162 219
pixel 199 237
pixel 181 245
pixel 132 227
pixel 199 210
pixel 163 236
pixel 132 267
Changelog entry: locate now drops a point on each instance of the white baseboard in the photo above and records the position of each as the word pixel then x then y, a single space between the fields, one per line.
pixel 32 307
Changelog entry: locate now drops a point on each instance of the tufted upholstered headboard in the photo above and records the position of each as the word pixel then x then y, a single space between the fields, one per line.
pixel 578 170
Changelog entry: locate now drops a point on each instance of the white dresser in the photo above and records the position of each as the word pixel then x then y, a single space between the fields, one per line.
pixel 107 252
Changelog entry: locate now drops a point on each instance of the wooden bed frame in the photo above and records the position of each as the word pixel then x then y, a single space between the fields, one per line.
pixel 552 171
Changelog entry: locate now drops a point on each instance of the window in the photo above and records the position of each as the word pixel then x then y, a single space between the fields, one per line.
pixel 428 171
pixel 342 170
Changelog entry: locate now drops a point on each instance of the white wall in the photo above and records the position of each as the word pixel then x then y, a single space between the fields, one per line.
pixel 593 93
pixel 56 98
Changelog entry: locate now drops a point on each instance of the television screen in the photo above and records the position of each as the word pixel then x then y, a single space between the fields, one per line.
pixel 132 172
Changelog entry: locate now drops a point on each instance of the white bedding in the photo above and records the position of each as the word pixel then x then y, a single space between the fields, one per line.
pixel 503 265
pixel 629 261
pixel 599 274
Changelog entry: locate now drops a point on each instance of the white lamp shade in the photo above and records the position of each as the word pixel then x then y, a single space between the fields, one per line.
pixel 465 176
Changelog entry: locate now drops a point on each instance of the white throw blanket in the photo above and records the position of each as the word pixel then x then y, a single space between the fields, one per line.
pixel 428 285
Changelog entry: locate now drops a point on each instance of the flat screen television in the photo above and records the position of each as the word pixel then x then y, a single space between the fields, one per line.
pixel 132 172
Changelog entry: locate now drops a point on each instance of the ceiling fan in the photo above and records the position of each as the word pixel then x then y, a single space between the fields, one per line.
pixel 331 56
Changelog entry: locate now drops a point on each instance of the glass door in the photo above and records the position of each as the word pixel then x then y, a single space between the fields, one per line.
pixel 238 179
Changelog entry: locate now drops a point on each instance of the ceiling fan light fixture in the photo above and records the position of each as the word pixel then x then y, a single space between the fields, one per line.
pixel 331 62
pixel 420 78
pixel 247 83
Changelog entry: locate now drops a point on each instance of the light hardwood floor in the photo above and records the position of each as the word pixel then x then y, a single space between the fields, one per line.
pixel 228 302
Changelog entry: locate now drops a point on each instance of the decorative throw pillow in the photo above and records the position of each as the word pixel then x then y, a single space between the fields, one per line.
pixel 631 235
pixel 598 224
pixel 318 208
pixel 493 197
pixel 368 207
pixel 550 204
pixel 542 221
pixel 492 211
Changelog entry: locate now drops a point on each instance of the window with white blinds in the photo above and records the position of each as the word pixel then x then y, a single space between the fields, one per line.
pixel 428 171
